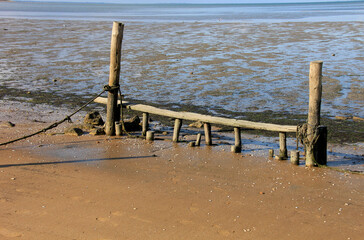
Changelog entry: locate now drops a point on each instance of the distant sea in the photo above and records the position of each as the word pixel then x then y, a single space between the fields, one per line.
pixel 276 12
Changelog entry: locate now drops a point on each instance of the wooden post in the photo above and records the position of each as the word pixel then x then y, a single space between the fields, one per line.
pixel 149 136
pixel 271 153
pixel 282 146
pixel 295 157
pixel 115 52
pixel 208 139
pixel 145 123
pixel 314 108
pixel 118 129
pixel 237 147
pixel 320 148
pixel 198 139
pixel 177 129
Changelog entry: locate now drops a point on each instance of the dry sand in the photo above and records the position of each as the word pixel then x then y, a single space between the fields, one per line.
pixel 98 187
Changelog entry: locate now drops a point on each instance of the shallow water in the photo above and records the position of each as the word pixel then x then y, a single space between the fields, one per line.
pixel 218 66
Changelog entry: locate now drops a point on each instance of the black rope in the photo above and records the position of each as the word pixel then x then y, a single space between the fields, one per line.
pixel 53 125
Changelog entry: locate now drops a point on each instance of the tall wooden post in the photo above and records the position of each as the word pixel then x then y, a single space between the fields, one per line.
pixel 314 108
pixel 177 129
pixel 208 138
pixel 115 54
pixel 282 146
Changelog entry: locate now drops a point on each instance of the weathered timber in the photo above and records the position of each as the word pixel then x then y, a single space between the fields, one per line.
pixel 320 148
pixel 145 123
pixel 118 129
pixel 198 139
pixel 236 149
pixel 282 146
pixel 208 137
pixel 115 52
pixel 295 157
pixel 205 118
pixel 237 137
pixel 314 108
pixel 271 153
pixel 149 136
pixel 177 129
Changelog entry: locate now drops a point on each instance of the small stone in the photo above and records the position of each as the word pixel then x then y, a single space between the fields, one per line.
pixel 73 131
pixel 13 178
pixel 97 131
pixel 164 133
pixel 93 118
pixel 191 144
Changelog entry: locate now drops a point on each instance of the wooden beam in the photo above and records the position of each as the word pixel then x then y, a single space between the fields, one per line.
pixel 207 118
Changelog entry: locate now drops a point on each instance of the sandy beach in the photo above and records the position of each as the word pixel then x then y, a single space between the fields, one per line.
pixel 98 187
pixel 55 186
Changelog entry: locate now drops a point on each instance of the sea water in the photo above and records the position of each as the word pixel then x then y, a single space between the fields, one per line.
pixel 221 58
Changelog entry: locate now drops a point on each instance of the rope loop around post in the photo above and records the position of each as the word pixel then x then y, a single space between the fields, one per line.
pixel 111 88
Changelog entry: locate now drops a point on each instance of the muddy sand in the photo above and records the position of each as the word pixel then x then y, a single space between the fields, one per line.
pixel 98 187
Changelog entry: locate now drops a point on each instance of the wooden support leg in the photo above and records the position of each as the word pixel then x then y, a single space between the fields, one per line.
pixel 208 139
pixel 198 139
pixel 145 123
pixel 177 129
pixel 237 147
pixel 282 146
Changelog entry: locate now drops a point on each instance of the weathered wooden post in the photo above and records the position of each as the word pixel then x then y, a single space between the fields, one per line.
pixel 282 146
pixel 145 123
pixel 114 75
pixel 177 129
pixel 207 129
pixel 198 139
pixel 313 120
pixel 237 146
pixel 295 157
pixel 321 146
pixel 150 136
pixel 271 153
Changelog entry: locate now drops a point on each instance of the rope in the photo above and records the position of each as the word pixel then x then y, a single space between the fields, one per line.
pixel 122 118
pixel 53 125
pixel 302 135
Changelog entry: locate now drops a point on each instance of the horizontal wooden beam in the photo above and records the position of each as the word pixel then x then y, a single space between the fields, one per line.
pixel 206 118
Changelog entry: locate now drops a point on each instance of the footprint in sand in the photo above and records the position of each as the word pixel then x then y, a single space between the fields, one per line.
pixel 10 234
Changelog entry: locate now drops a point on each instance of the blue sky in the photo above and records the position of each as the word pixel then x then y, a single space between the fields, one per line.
pixel 188 1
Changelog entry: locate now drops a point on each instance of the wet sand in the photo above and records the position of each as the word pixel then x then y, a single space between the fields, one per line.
pixel 221 67
pixel 98 187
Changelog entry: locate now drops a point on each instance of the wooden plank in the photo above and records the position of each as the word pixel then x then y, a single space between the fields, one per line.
pixel 207 118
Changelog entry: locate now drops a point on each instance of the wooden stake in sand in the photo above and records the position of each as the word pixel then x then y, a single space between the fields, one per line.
pixel 149 136
pixel 282 146
pixel 314 108
pixel 177 129
pixel 295 157
pixel 198 139
pixel 145 123
pixel 115 53
pixel 208 139
pixel 237 147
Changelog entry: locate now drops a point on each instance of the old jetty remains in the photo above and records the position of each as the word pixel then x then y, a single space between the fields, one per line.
pixel 313 135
